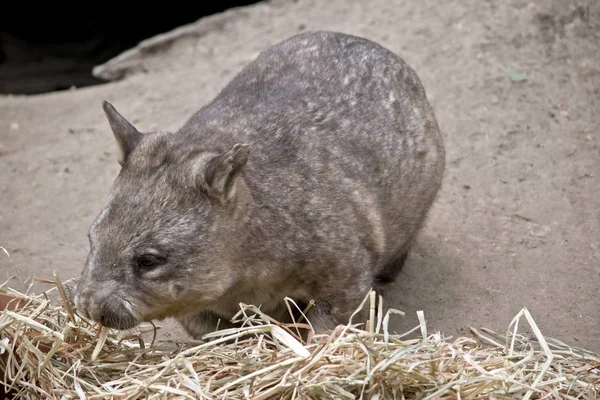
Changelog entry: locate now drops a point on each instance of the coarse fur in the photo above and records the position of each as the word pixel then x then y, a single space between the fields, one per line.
pixel 308 176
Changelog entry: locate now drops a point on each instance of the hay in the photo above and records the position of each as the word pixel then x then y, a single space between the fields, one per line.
pixel 50 352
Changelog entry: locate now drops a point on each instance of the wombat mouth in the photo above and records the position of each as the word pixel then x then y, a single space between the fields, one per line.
pixel 125 316
pixel 121 324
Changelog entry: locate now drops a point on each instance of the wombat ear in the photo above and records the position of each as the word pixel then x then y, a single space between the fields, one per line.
pixel 221 171
pixel 126 134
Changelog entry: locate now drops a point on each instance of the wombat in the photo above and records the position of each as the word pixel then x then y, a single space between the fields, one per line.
pixel 307 176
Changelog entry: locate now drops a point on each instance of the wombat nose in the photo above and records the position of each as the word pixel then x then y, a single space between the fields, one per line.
pixel 95 315
pixel 86 307
pixel 100 315
pixel 113 315
pixel 81 305
pixel 105 309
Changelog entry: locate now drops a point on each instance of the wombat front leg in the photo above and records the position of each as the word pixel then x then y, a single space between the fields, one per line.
pixel 203 322
pixel 391 271
pixel 327 314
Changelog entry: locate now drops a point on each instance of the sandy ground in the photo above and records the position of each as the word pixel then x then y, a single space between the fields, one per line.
pixel 517 223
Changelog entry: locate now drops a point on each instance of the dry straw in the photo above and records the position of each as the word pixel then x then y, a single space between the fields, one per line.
pixel 48 351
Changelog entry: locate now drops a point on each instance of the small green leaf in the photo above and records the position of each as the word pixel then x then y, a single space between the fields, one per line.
pixel 517 76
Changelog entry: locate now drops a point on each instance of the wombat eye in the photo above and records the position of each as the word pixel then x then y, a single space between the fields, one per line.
pixel 147 261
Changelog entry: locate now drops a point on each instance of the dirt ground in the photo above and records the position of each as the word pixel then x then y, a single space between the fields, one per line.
pixel 516 88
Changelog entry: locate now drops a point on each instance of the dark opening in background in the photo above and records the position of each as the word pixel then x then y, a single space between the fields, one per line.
pixel 48 50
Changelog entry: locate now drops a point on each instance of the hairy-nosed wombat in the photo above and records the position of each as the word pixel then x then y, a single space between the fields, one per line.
pixel 308 176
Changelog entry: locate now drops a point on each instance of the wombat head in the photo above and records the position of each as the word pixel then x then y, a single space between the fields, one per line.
pixel 160 245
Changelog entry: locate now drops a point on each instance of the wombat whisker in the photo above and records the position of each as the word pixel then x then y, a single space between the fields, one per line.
pixel 133 310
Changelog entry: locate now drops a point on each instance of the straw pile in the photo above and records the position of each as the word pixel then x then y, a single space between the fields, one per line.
pixel 50 352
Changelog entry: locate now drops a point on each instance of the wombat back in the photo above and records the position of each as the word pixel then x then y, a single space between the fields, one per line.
pixel 339 123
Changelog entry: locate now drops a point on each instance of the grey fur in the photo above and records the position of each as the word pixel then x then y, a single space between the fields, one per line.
pixel 308 176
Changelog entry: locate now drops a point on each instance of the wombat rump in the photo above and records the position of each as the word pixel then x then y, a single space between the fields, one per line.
pixel 308 176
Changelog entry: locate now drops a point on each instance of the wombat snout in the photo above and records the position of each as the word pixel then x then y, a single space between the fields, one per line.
pixel 308 176
pixel 102 307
